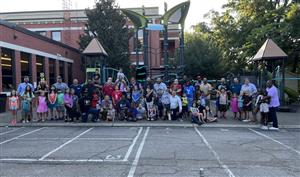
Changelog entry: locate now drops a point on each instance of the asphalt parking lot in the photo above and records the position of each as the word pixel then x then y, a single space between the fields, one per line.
pixel 148 152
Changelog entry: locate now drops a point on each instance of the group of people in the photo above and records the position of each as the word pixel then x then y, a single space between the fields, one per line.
pixel 151 100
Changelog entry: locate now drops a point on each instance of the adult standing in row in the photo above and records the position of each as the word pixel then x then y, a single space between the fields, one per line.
pixel 273 105
pixel 77 88
pixel 206 88
pixel 236 87
pixel 248 87
pixel 60 85
pixel 22 86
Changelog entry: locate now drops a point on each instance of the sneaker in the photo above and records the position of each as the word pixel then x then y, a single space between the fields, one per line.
pixel 246 120
pixel 274 128
pixel 23 121
pixel 27 121
pixel 264 127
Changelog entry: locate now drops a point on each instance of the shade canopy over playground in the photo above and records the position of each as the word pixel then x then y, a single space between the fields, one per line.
pixel 95 48
pixel 270 51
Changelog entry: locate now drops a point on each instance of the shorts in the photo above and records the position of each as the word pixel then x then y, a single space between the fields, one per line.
pixel 52 106
pixel 13 108
pixel 60 108
pixel 247 108
pixel 185 109
pixel 166 106
pixel 223 108
pixel 264 107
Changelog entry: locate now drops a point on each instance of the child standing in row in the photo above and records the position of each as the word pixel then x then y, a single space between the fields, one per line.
pixel 52 98
pixel 247 106
pixel 26 104
pixel 264 110
pixel 234 105
pixel 223 101
pixel 42 107
pixel 14 103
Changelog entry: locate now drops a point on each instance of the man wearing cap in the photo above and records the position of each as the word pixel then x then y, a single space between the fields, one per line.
pixel 22 86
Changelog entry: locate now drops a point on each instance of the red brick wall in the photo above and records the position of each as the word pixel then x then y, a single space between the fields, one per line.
pixel 18 38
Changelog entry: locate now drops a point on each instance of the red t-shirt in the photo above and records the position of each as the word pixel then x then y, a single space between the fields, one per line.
pixel 95 100
pixel 116 96
pixel 177 87
pixel 108 89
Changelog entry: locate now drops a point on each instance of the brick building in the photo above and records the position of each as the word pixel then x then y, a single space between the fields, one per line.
pixel 52 38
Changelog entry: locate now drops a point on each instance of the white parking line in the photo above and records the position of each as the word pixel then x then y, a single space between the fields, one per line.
pixel 61 146
pixel 132 144
pixel 10 131
pixel 225 167
pixel 56 160
pixel 104 139
pixel 9 140
pixel 138 154
pixel 286 146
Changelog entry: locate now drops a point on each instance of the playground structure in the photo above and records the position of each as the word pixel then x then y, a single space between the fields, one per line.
pixel 271 59
pixel 175 15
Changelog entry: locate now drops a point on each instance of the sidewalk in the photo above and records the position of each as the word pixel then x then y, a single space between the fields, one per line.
pixel 286 120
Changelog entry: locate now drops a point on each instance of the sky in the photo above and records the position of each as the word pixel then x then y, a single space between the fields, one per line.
pixel 198 8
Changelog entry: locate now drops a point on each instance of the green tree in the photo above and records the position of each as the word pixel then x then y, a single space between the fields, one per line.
pixel 244 25
pixel 201 54
pixel 107 23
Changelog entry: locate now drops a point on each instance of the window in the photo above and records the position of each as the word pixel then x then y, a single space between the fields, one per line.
pixel 70 73
pixel 39 67
pixel 25 60
pixel 62 69
pixel 56 35
pixel 7 69
pixel 43 33
pixel 52 71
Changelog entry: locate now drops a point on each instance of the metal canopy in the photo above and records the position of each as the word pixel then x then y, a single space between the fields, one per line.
pixel 177 14
pixel 138 20
pixel 95 48
pixel 269 51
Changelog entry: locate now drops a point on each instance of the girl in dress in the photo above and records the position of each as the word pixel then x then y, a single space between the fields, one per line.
pixel 27 98
pixel 52 98
pixel 14 103
pixel 234 105
pixel 68 103
pixel 42 107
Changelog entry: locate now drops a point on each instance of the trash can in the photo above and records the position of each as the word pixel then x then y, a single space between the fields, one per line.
pixel 2 102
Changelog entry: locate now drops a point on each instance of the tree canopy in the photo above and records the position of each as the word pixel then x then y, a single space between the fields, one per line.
pixel 108 25
pixel 243 26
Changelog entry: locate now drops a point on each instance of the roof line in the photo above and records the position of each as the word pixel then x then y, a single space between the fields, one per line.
pixel 36 35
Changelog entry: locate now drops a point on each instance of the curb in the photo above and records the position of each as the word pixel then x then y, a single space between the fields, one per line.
pixel 183 125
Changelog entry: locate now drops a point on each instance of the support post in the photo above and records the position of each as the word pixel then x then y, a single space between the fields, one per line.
pixel 166 62
pixel 145 41
pixel 282 84
pixel 136 46
pixel 182 49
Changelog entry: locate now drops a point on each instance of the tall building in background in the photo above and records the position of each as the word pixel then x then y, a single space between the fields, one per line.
pixel 64 28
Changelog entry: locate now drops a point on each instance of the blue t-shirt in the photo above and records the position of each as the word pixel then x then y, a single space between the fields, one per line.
pixel 189 91
pixel 236 88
